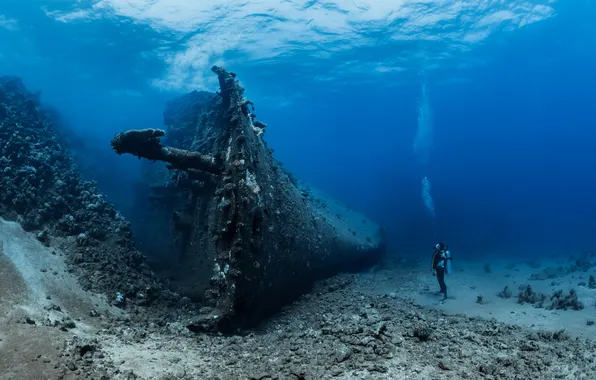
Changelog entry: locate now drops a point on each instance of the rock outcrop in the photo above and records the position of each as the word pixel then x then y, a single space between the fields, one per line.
pixel 40 187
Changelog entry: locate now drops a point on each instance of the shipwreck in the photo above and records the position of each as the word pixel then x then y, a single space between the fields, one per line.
pixel 242 235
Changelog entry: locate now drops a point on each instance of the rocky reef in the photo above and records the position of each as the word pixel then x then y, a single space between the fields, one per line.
pixel 343 330
pixel 245 237
pixel 40 187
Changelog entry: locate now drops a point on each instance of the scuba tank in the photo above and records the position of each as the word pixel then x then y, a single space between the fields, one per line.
pixel 447 262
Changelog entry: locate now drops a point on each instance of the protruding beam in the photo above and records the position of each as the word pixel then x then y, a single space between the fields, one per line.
pixel 145 143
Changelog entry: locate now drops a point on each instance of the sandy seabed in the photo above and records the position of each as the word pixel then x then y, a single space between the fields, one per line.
pixel 383 324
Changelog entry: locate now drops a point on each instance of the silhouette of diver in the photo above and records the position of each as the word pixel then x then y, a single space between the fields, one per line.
pixel 440 266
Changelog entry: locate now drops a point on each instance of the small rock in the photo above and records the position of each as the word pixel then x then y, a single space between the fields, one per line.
pixel 444 366
pixel 378 368
pixel 342 353
pixel 53 307
pixel 380 328
pixel 422 332
pixel 397 340
pixel 336 371
pixel 67 324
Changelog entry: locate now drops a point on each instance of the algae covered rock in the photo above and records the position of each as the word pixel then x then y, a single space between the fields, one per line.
pixel 41 188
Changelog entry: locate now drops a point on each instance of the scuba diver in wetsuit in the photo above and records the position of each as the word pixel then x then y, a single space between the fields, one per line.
pixel 440 266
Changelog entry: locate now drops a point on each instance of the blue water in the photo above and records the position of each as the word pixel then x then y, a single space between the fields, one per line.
pixel 500 94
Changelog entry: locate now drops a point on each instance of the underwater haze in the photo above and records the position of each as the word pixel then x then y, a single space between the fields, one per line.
pixel 470 122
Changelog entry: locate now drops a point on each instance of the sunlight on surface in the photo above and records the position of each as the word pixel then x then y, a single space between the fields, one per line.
pixel 207 31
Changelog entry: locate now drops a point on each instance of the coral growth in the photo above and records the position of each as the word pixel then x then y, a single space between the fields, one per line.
pixel 40 188
pixel 40 184
pixel 528 295
pixel 567 301
pixel 559 301
pixel 506 293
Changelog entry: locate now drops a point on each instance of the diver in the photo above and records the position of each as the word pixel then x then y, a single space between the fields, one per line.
pixel 441 265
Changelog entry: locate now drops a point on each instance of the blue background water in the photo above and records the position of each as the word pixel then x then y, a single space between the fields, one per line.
pixel 510 86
